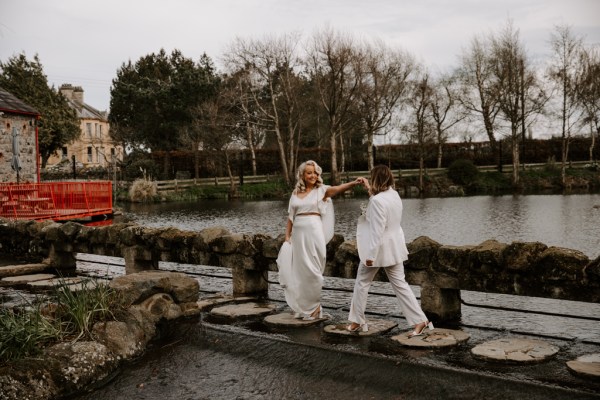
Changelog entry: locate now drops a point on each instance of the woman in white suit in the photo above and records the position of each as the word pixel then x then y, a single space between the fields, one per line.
pixel 381 243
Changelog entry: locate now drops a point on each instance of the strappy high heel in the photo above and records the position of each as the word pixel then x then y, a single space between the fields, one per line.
pixel 319 315
pixel 428 325
pixel 359 328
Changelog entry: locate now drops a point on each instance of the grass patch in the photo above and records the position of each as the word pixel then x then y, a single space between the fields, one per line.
pixel 64 315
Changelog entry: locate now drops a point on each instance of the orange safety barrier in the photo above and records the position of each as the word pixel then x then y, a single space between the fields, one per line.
pixel 55 200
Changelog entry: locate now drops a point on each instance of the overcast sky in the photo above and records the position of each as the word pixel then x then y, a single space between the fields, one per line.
pixel 84 42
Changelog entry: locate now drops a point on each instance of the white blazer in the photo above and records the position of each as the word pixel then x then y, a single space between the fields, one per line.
pixel 379 235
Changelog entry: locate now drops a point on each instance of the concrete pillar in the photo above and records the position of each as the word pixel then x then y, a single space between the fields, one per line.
pixel 440 304
pixel 62 257
pixel 138 258
pixel 250 282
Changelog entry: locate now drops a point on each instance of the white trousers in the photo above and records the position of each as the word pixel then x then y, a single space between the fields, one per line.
pixel 408 302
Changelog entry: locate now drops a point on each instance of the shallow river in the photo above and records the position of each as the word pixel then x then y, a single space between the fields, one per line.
pixel 571 221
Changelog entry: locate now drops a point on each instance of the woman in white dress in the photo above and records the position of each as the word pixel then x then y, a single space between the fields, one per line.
pixel 381 243
pixel 309 204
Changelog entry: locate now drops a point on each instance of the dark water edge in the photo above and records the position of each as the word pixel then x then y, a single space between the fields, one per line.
pixel 209 361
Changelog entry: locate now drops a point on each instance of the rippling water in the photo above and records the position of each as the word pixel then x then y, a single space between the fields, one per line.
pixel 571 221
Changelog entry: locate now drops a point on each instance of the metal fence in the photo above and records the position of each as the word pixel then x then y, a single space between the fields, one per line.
pixel 55 200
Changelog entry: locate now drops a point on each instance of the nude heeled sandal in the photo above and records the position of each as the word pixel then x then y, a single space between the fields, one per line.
pixel 428 325
pixel 358 328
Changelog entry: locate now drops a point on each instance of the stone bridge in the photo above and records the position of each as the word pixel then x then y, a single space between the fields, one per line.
pixel 442 271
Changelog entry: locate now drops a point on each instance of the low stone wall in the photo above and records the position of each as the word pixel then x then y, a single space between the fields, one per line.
pixel 519 268
pixel 147 298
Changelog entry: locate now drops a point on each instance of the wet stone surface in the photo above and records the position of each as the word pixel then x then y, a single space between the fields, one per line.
pixel 287 319
pixel 435 338
pixel 515 350
pixel 376 327
pixel 587 365
pixel 243 310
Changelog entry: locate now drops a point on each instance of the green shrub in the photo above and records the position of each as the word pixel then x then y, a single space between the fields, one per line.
pixel 463 172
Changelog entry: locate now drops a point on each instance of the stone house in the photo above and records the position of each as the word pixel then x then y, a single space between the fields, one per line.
pixel 94 148
pixel 18 119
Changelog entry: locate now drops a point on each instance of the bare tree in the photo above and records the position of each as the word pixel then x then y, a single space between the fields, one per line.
pixel 333 58
pixel 419 126
pixel 479 88
pixel 518 93
pixel 444 111
pixel 565 72
pixel 588 92
pixel 273 63
pixel 384 74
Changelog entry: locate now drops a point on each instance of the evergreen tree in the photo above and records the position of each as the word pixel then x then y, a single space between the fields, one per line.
pixel 26 80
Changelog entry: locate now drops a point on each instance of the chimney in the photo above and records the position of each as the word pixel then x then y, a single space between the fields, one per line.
pixel 67 90
pixel 78 94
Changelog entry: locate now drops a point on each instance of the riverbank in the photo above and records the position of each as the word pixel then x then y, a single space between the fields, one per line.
pixel 546 180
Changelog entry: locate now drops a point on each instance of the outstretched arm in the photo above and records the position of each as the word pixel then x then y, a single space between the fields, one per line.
pixel 335 190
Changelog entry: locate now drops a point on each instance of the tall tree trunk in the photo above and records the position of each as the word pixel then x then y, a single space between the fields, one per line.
pixel 370 160
pixel 250 139
pixel 196 160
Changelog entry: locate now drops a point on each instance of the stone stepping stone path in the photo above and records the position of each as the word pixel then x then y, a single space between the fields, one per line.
pixel 376 327
pixel 515 350
pixel 207 303
pixel 439 337
pixel 243 311
pixel 51 283
pixel 26 279
pixel 587 366
pixel 287 319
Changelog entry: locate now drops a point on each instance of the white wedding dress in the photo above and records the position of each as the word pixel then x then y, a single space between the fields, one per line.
pixel 301 263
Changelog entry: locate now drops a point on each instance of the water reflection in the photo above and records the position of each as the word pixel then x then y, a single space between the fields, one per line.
pixel 557 220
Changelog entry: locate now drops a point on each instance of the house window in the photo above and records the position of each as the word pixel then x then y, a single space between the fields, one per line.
pixel 112 154
pixel 64 154
pixel 100 127
pixel 96 129
pixel 88 128
pixel 89 154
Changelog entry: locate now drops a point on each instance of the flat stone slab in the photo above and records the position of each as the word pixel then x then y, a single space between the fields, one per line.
pixel 244 310
pixel 209 302
pixel 21 269
pixel 515 350
pixel 439 337
pixel 50 283
pixel 26 279
pixel 586 366
pixel 88 284
pixel 287 319
pixel 376 327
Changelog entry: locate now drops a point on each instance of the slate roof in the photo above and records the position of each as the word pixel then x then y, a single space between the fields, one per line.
pixel 11 103
pixel 85 111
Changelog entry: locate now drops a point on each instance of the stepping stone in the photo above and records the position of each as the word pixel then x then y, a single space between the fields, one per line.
pixel 376 327
pixel 244 310
pixel 587 366
pixel 26 279
pixel 21 269
pixel 436 338
pixel 207 303
pixel 515 350
pixel 50 283
pixel 287 319
pixel 87 284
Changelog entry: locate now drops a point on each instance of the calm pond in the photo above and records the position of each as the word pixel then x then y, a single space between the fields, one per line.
pixel 571 221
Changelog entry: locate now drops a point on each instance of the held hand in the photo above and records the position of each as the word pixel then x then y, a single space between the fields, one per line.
pixel 369 263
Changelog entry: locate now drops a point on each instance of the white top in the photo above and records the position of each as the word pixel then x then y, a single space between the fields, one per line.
pixel 311 203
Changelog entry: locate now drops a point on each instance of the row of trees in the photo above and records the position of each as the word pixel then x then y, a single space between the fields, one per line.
pixel 332 90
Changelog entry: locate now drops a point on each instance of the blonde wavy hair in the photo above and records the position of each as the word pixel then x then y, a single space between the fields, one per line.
pixel 300 185
pixel 381 179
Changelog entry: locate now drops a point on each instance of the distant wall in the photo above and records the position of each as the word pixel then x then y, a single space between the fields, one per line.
pixel 27 148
